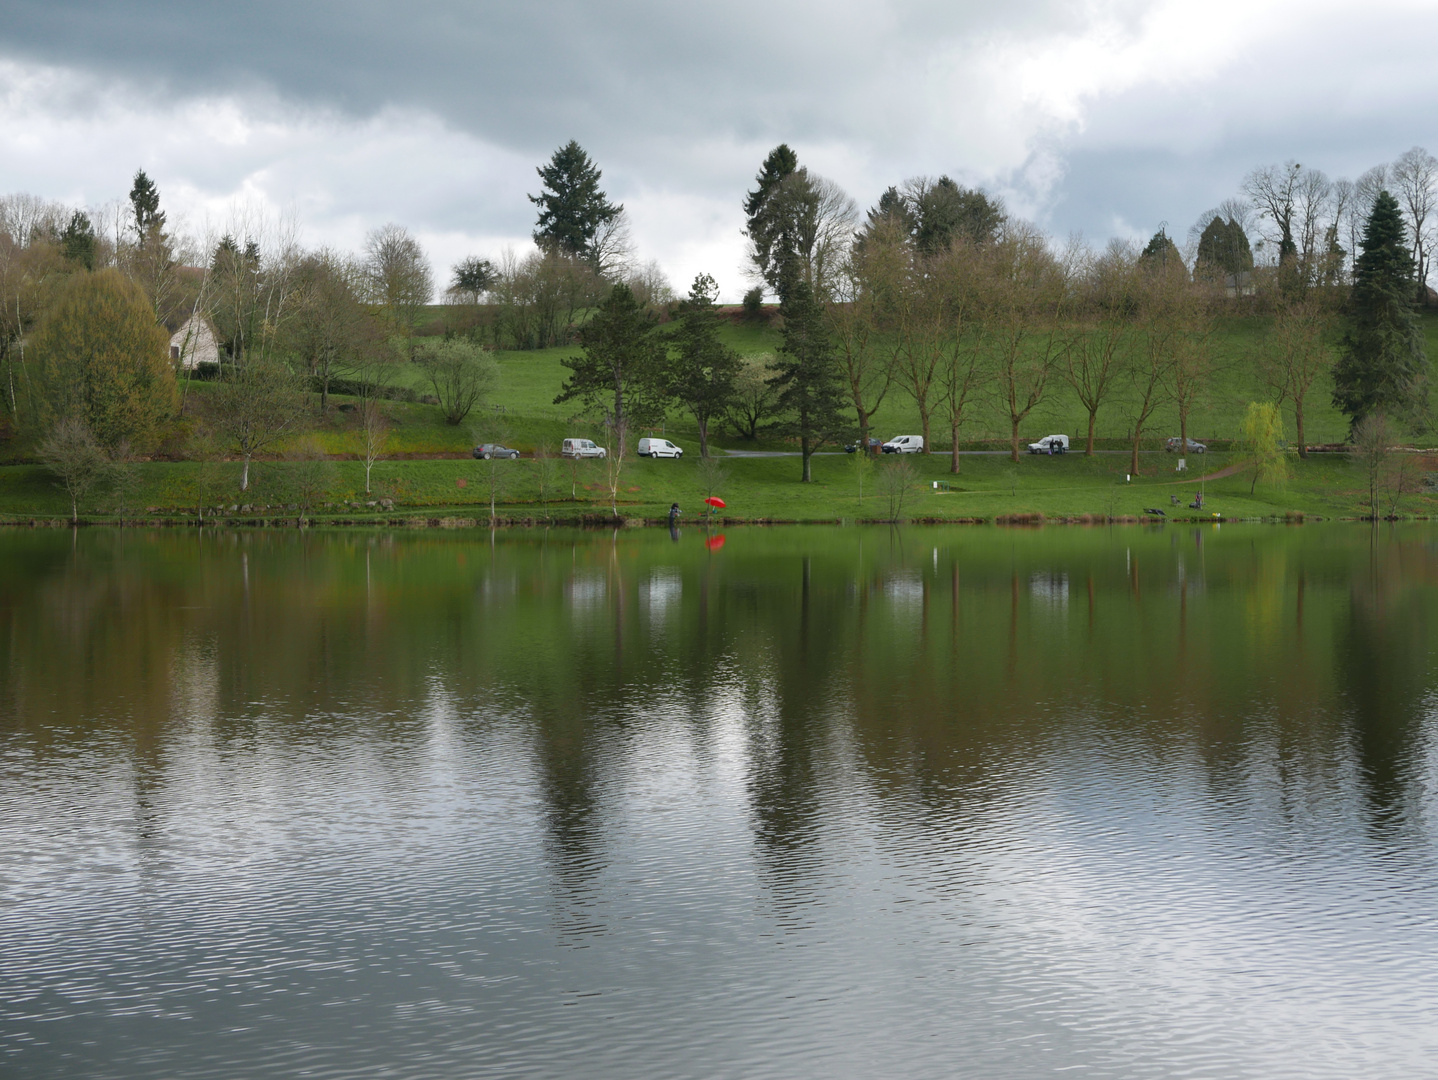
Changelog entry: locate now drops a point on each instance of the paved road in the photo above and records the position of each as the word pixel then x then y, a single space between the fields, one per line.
pixel 937 453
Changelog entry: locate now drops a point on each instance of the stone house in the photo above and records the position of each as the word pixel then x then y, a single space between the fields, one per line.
pixel 194 344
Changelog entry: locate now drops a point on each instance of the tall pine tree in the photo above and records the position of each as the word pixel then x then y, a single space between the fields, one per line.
pixel 808 379
pixel 573 209
pixel 622 367
pixel 1383 367
pixel 145 204
pixel 770 211
pixel 703 368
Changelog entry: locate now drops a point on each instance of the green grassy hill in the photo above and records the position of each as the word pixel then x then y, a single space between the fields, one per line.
pixel 428 466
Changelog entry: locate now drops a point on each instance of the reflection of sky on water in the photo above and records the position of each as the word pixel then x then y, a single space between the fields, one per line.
pixel 751 832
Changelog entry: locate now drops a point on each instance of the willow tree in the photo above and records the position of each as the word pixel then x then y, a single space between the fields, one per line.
pixel 1262 436
pixel 104 360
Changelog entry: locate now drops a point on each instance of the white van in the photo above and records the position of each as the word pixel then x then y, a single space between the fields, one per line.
pixel 577 448
pixel 1050 444
pixel 658 448
pixel 904 444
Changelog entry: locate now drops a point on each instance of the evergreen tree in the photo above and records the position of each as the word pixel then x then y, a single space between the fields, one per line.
pixel 77 241
pixel 622 366
pixel 145 203
pixel 572 207
pixel 1162 252
pixel 703 369
pixel 808 379
pixel 1223 248
pixel 1383 367
pixel 151 261
pixel 771 211
pixel 893 208
pixel 945 210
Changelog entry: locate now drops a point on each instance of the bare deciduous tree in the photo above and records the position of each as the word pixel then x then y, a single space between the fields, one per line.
pixel 1023 296
pixel 896 483
pixel 257 406
pixel 374 428
pixel 1373 452
pixel 73 454
pixel 861 320
pixel 1099 348
pixel 1161 323
pixel 311 474
pixel 1415 175
pixel 330 332
pixel 1296 352
pixel 399 277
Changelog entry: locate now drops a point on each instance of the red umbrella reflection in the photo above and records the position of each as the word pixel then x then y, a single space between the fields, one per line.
pixel 714 543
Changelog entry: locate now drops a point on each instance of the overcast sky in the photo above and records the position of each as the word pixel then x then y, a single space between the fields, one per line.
pixel 1105 117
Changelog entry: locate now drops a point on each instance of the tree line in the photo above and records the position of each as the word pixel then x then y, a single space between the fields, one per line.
pixel 942 296
pixel 936 293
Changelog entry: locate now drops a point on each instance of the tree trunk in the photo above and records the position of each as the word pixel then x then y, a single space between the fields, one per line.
pixel 1091 414
pixel 245 475
pixel 1014 439
pixel 1298 420
pixel 368 465
pixel 924 423
pixel 954 461
pixel 1133 461
pixel 703 436
pixel 804 448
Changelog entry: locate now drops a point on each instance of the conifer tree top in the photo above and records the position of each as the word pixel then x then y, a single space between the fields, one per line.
pixel 1386 264
pixel 145 201
pixel 572 206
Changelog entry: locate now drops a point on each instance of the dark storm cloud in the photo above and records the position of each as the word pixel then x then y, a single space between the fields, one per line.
pixel 1099 116
pixel 522 74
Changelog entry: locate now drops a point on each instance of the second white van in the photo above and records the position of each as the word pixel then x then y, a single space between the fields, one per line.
pixel 905 444
pixel 659 448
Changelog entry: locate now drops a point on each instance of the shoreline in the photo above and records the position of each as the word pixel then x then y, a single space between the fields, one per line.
pixel 601 522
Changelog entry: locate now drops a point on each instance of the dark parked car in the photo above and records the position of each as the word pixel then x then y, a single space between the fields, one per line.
pixel 1194 447
pixel 874 447
pixel 494 450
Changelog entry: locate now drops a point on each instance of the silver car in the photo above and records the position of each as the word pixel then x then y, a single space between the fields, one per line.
pixel 1194 447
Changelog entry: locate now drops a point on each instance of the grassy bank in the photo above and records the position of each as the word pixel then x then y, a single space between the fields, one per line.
pixel 428 469
pixel 755 489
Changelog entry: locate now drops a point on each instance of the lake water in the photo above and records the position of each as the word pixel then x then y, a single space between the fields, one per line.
pixel 810 803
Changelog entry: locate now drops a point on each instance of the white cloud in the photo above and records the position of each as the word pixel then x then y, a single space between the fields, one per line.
pixel 1083 115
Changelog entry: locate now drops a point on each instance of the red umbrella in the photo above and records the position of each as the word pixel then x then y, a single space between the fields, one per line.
pixel 714 543
pixel 715 502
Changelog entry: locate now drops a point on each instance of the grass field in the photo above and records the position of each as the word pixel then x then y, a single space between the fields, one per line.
pixel 522 413
pixel 530 381
pixel 755 488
